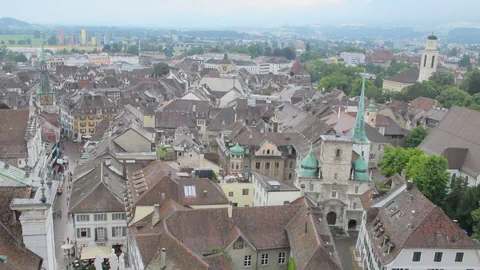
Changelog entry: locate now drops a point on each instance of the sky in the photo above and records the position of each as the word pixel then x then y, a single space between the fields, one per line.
pixel 233 13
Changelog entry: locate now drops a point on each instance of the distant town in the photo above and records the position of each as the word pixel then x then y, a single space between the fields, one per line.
pixel 283 148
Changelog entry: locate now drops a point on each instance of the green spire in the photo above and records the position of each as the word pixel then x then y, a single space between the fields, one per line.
pixel 237 150
pixel 359 136
pixel 360 169
pixel 309 165
pixel 45 86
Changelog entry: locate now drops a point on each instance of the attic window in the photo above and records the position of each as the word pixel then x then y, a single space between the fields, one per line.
pixel 190 191
pixel 392 206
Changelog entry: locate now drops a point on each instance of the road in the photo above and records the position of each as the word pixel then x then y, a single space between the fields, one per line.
pixel 343 245
pixel 63 226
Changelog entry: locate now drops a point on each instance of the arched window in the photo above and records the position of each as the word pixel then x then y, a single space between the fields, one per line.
pixel 268 152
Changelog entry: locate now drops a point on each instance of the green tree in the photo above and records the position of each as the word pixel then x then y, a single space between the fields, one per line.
pixel 379 80
pixel 29 41
pixel 334 81
pixel 466 208
pixel 443 78
pixel 428 89
pixel 3 53
pixel 21 58
pixel 396 67
pixel 452 95
pixel 160 69
pixel 471 84
pixel 268 51
pixel 458 187
pixel 194 51
pixel 452 52
pixel 291 264
pixel 133 49
pixel 52 40
pixel 396 158
pixel 430 175
pixel 465 62
pixel 476 223
pixel 9 67
pixel 289 53
pixel 416 136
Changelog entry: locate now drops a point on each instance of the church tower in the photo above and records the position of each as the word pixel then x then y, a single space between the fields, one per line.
pixel 361 144
pixel 428 63
pixel 46 95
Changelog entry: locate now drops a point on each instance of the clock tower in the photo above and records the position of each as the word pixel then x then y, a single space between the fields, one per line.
pixel 46 96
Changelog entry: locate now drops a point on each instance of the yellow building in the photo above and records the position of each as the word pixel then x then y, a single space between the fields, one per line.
pixel 90 110
pixel 240 194
pixel 94 41
pixel 83 36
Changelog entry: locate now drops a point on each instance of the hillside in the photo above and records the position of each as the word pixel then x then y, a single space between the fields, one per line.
pixel 11 22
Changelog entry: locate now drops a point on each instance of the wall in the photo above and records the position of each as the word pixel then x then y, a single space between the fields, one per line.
pixel 149 121
pixel 238 197
pixel 188 159
pixel 394 86
pixel 471 259
pixel 92 224
pixel 132 142
pixel 238 258
pixel 272 172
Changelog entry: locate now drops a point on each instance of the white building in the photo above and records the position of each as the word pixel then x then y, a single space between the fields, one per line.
pixel 268 191
pixel 402 229
pixel 428 63
pixel 353 58
pixel 97 207
pixel 128 58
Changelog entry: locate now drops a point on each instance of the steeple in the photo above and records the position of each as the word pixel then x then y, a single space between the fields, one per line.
pixel 359 136
pixel 45 86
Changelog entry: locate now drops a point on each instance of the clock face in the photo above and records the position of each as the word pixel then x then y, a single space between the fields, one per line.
pixel 224 68
pixel 46 99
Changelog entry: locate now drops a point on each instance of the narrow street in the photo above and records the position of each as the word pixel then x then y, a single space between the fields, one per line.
pixel 63 225
pixel 343 245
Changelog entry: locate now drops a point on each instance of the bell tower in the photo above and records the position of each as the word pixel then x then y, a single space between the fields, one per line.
pixel 428 63
pixel 46 95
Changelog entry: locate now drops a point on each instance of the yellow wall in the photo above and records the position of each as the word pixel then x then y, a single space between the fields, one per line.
pixel 87 122
pixel 209 206
pixel 238 198
pixel 83 35
pixel 94 41
pixel 149 121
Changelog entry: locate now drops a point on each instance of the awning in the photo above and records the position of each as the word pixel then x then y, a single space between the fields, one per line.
pixel 91 252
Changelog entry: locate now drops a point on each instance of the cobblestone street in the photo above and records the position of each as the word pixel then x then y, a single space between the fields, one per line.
pixel 63 224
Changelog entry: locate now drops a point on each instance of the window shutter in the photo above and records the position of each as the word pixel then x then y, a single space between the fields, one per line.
pixel 124 231
pixel 96 234
pixel 78 233
pixel 88 232
pixel 105 233
pixel 113 231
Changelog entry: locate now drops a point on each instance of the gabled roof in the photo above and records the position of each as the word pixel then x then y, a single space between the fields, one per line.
pixel 425 103
pixel 13 128
pixel 459 128
pixel 97 191
pixel 18 256
pixel 407 76
pixel 298 69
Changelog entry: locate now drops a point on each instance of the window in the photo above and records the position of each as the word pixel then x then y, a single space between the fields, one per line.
pixel 230 194
pixel 338 153
pixel 233 166
pixel 433 61
pixel 282 257
pixel 236 167
pixel 248 261
pixel 100 233
pixel 119 216
pixel 268 152
pixel 267 165
pixel 425 61
pixel 291 164
pixel 245 191
pixel 264 259
pixel 459 257
pixel 235 204
pixel 438 257
pixel 372 156
pixel 257 165
pixel 380 147
pixel 311 186
pixel 277 165
pixel 83 233
pixel 286 202
pixel 100 217
pixel 119 231
pixel 335 176
pixel 354 206
pixel 357 189
pixel 417 256
pixel 83 218
pixel 334 194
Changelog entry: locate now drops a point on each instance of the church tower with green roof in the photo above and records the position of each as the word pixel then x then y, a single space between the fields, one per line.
pixel 361 144
pixel 46 96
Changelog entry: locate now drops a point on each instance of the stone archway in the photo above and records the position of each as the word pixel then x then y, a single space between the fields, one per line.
pixel 352 224
pixel 332 218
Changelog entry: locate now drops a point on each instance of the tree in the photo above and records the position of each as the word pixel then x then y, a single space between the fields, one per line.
pixel 133 49
pixel 9 67
pixel 334 81
pixel 416 136
pixel 308 56
pixel 160 69
pixel 465 62
pixel 443 78
pixel 452 52
pixel 268 51
pixel 21 58
pixel 396 67
pixel 52 40
pixel 454 96
pixel 396 158
pixel 289 53
pixel 3 53
pixel 471 84
pixel 430 175
pixel 468 204
pixel 379 80
pixel 194 51
pixel 29 41
pixel 428 89
pixel 476 223
pixel 458 187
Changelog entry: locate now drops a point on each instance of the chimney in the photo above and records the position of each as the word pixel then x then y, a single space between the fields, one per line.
pixel 205 193
pixel 230 210
pixel 108 161
pixel 302 190
pixel 409 184
pixel 163 258
pixel 156 214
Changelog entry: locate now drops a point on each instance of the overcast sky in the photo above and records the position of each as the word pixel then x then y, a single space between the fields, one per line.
pixel 226 13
